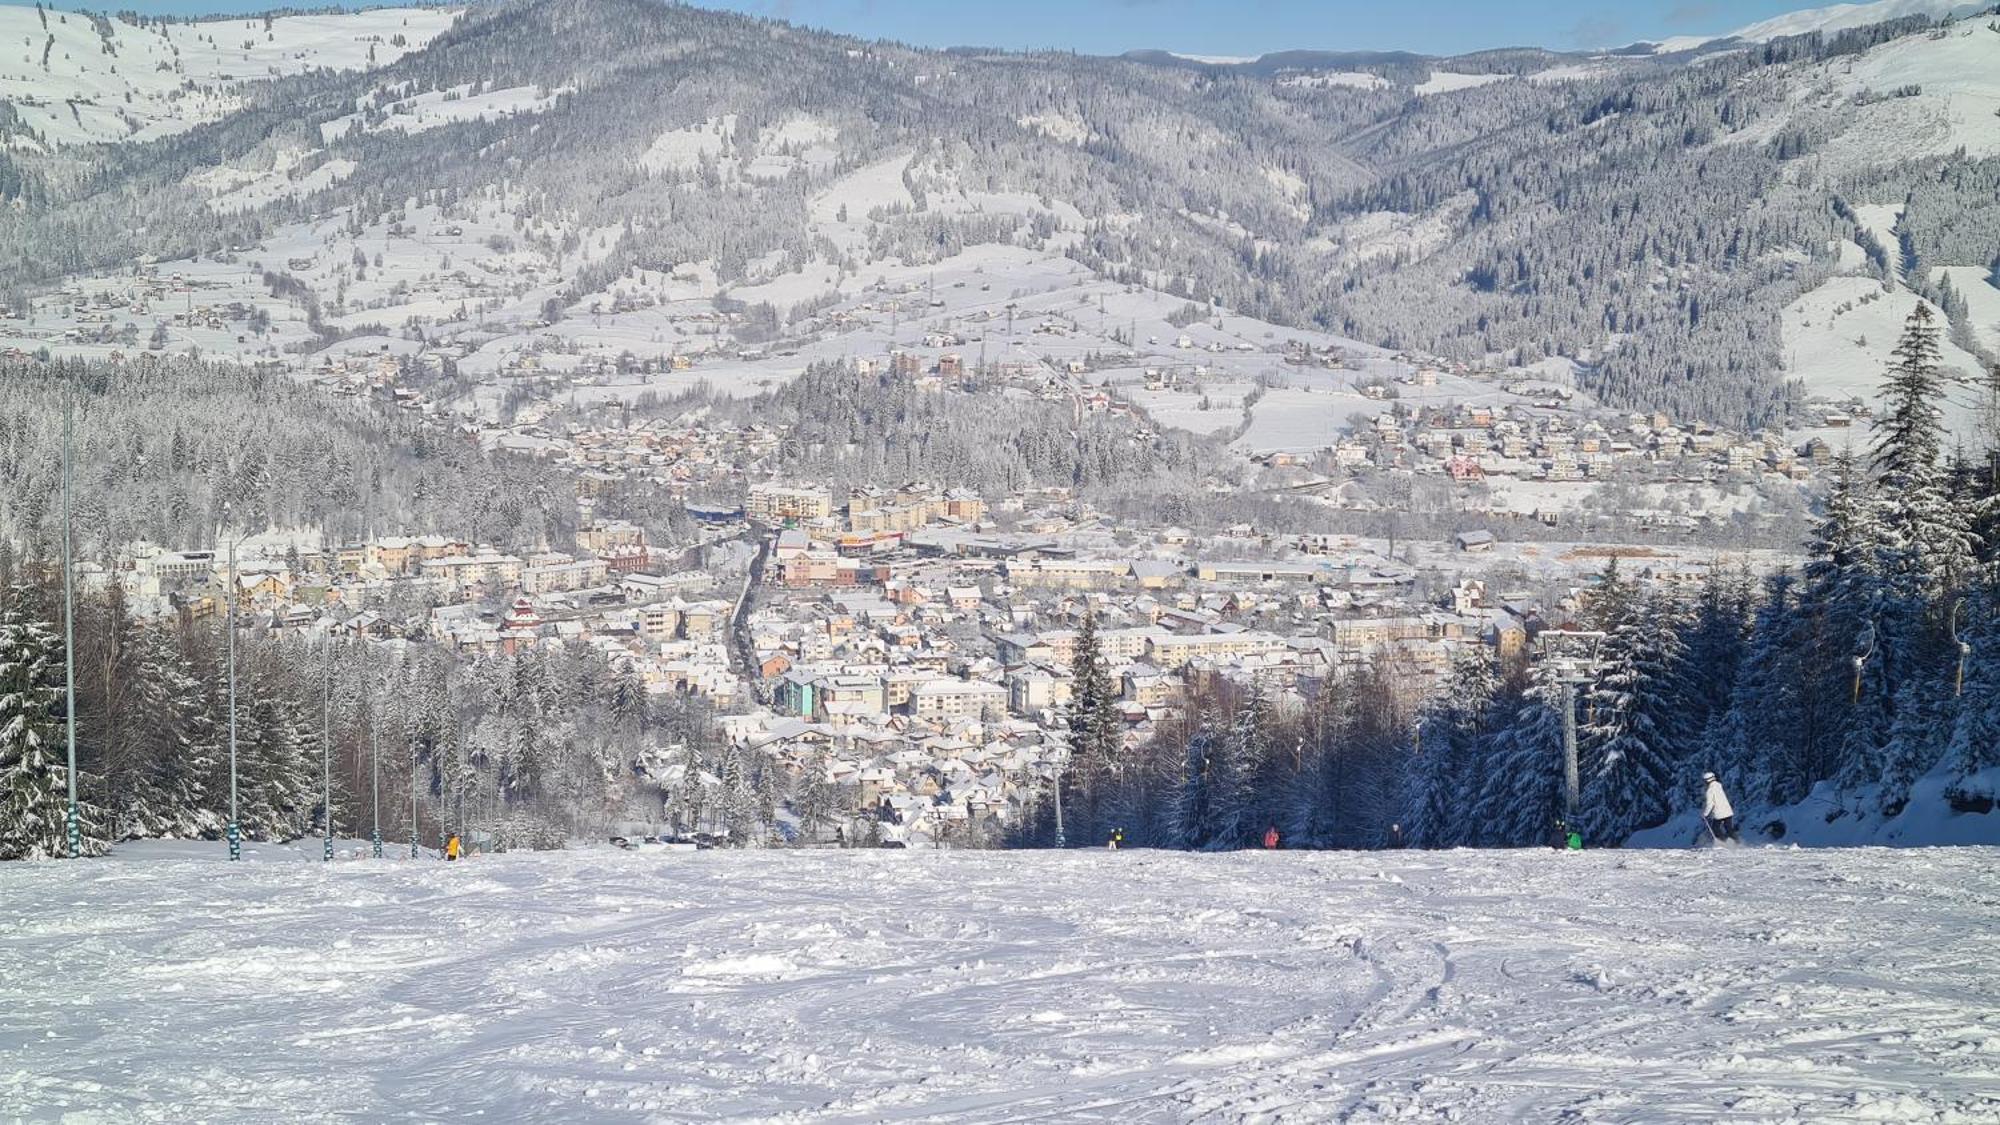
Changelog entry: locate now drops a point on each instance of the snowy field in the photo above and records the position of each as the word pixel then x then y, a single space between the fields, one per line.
pixel 1747 985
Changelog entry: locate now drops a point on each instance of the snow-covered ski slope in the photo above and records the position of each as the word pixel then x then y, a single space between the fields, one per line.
pixel 1756 984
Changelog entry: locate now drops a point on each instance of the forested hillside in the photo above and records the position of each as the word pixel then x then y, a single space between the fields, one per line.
pixel 527 750
pixel 162 449
pixel 1649 216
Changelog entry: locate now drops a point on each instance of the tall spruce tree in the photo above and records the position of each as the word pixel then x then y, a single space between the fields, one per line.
pixel 1191 821
pixel 1095 731
pixel 1522 798
pixel 1634 742
pixel 1444 767
pixel 1927 543
pixel 34 772
pixel 172 791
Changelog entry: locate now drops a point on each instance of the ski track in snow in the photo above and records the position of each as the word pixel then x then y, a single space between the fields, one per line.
pixel 1742 985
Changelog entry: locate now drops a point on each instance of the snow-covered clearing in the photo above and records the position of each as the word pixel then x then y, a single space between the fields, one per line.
pixel 1370 235
pixel 420 113
pixel 1746 985
pixel 1982 302
pixel 1331 79
pixel 1575 72
pixel 74 81
pixel 1062 127
pixel 1838 339
pixel 1447 81
pixel 1299 421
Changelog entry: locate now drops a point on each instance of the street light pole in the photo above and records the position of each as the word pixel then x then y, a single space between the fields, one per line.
pixel 326 752
pixel 1061 840
pixel 375 767
pixel 73 822
pixel 1867 640
pixel 1964 650
pixel 235 830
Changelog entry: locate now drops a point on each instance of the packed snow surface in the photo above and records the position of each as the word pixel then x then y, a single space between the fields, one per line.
pixel 1747 985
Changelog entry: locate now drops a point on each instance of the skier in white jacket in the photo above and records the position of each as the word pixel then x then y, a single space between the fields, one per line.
pixel 1716 809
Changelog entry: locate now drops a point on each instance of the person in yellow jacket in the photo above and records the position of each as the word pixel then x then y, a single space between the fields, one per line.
pixel 452 848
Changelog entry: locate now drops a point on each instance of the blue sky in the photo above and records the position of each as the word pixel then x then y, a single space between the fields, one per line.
pixel 1220 27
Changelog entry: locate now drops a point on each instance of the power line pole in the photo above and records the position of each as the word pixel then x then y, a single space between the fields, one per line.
pixel 73 822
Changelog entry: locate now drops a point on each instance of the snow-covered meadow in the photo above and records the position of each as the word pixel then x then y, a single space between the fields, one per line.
pixel 1743 985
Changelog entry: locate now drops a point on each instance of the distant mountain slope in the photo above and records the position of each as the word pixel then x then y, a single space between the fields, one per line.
pixel 1842 17
pixel 76 79
pixel 1838 17
pixel 1650 217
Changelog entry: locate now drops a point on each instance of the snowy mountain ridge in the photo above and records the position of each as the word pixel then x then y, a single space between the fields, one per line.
pixel 590 153
pixel 1836 17
pixel 1841 17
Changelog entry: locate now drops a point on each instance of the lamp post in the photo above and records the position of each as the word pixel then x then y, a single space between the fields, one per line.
pixel 326 752
pixel 1964 650
pixel 1061 840
pixel 73 822
pixel 375 768
pixel 1867 642
pixel 413 799
pixel 235 829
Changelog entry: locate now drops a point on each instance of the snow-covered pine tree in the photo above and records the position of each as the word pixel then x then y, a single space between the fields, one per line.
pixel 815 800
pixel 1928 546
pixel 1975 735
pixel 1769 727
pixel 1335 725
pixel 1523 796
pixel 1095 731
pixel 1632 746
pixel 277 788
pixel 34 800
pixel 1191 819
pixel 1235 764
pixel 1926 550
pixel 738 801
pixel 1716 640
pixel 1840 600
pixel 174 792
pixel 1445 767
